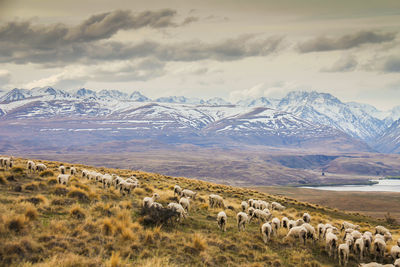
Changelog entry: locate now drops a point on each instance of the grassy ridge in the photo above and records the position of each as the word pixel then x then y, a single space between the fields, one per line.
pixel 45 224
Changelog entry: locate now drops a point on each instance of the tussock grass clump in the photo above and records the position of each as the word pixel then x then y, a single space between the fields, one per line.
pixel 2 179
pixel 154 217
pixel 78 193
pixel 60 190
pixel 38 199
pixel 115 260
pixel 34 186
pixel 46 173
pixel 16 223
pixel 52 181
pixel 139 191
pixel 77 212
pixel 31 213
pixel 199 242
pixel 17 170
pixel 107 226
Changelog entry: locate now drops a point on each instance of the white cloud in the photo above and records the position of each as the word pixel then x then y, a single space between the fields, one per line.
pixel 5 77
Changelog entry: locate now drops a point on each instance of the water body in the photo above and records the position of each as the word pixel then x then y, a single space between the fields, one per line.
pixel 387 185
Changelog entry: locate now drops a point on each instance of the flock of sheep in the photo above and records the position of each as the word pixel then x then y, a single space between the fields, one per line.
pixel 352 241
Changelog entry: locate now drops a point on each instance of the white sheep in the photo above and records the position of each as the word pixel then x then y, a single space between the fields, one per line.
pixel 277 206
pixel 221 220
pixel 306 217
pixel 297 232
pixel 387 236
pixel 356 235
pixel 177 190
pixel 244 205
pixel 291 224
pixel 40 167
pixel 397 263
pixel 285 222
pixel 30 166
pixel 188 193
pixel 263 204
pixel 379 247
pixel 117 180
pixel 7 162
pixel 275 224
pixel 395 252
pixel 63 178
pixel 261 215
pixel 367 236
pixel 266 232
pixel 147 201
pixel 343 253
pixel 85 173
pixel 381 230
pixel 359 247
pixel 375 264
pixel 320 230
pixel 126 186
pixel 331 243
pixel 311 234
pixel 242 219
pixel 346 225
pixel 299 222
pixel 216 201
pixel 156 205
pixel 179 209
pixel 251 202
pixel 73 171
pixel 107 180
pixel 62 169
pixel 250 211
pixel 185 203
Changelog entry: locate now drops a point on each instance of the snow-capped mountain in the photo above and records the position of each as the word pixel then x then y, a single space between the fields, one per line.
pixel 137 96
pixel 180 100
pixel 389 142
pixel 258 102
pixel 217 101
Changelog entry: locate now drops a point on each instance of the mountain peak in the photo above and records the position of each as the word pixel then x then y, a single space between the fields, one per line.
pixel 139 97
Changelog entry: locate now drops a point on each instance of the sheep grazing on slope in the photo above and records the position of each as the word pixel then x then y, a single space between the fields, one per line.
pixel 62 169
pixel 244 205
pixel 261 215
pixel 179 209
pixel 359 248
pixel 356 235
pixel 266 232
pixel 387 236
pixel 347 225
pixel 343 253
pixel 397 263
pixel 7 163
pixel 379 247
pixel 73 171
pixel 147 201
pixel 367 236
pixel 250 211
pixel 320 230
pixel 277 206
pixel 221 220
pixel 85 173
pixel 177 190
pixel 251 202
pixel 216 201
pixel 107 180
pixel 297 232
pixel 184 201
pixel 395 252
pixel 299 222
pixel 188 193
pixel 285 222
pixel 242 219
pixel 63 178
pixel 125 186
pixel 331 243
pixel 291 224
pixel 40 167
pixel 275 224
pixel 30 166
pixel 306 217
pixel 375 264
pixel 381 230
pixel 117 180
pixel 311 234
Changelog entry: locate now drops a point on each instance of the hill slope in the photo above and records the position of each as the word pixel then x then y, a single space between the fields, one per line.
pixel 83 224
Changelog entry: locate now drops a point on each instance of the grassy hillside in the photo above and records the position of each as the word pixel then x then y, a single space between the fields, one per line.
pixel 82 224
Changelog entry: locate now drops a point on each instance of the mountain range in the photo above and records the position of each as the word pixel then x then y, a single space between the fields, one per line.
pixel 299 120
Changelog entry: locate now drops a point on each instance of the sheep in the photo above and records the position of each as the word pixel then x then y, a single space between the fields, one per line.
pixel 85 173
pixel 107 180
pixel 117 181
pixel 185 203
pixel 397 263
pixel 374 264
pixel 30 166
pixel 285 222
pixel 346 225
pixel 395 252
pixel 331 243
pixel 262 204
pixel 306 217
pixel 250 201
pixel 349 240
pixel 266 232
pixel 277 206
pixel 244 205
pixel 387 236
pixel 242 219
pixel 343 253
pixel 359 247
pixel 126 186
pixel 251 211
pixel 297 232
pixel 40 167
pixel 188 193
pixel 379 247
pixel 221 220
pixel 216 201
pixel 63 178
pixel 381 230
pixel 147 201
pixel 177 208
pixel 291 224
pixel 275 224
pixel 356 235
pixel 73 171
pixel 62 169
pixel 177 190
pixel 329 228
pixel 310 231
pixel 367 236
pixel 261 215
pixel 321 229
pixel 7 162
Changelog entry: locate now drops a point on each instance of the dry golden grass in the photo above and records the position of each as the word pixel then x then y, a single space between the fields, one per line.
pixel 83 224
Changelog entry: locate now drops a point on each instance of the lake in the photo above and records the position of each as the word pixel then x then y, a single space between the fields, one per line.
pixel 387 185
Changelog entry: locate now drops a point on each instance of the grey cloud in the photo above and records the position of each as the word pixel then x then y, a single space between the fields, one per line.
pixel 5 77
pixel 345 42
pixel 344 64
pixel 392 64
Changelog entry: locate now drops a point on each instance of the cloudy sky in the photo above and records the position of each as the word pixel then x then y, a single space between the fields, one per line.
pixel 232 49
